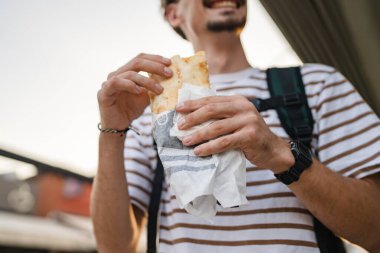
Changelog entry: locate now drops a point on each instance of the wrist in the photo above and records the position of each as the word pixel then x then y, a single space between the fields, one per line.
pixel 303 160
pixel 285 158
pixel 112 125
pixel 112 140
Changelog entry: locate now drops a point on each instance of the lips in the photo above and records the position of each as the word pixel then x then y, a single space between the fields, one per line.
pixel 216 4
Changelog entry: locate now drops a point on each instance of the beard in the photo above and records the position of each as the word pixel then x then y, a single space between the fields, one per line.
pixel 231 25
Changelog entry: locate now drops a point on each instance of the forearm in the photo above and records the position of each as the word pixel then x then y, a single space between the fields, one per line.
pixel 115 226
pixel 349 207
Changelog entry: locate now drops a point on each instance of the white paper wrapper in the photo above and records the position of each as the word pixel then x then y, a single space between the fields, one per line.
pixel 198 182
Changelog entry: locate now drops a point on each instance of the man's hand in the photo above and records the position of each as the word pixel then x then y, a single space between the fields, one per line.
pixel 237 124
pixel 123 97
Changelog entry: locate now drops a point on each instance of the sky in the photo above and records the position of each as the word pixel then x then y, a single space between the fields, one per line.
pixel 54 55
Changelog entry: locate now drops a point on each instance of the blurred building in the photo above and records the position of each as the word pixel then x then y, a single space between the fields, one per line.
pixel 43 208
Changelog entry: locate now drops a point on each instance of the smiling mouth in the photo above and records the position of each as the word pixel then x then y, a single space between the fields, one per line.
pixel 217 4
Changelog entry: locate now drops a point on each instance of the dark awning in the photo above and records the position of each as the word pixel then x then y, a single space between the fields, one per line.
pixel 344 34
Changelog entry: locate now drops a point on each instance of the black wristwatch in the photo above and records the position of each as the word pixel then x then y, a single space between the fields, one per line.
pixel 303 160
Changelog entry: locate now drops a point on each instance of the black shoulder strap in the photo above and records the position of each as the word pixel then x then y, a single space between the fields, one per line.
pixel 289 99
pixel 154 205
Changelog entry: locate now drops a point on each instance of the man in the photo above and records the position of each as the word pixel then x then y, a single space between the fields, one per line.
pixel 341 187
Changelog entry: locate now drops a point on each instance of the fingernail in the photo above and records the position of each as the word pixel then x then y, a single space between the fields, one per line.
pixel 166 60
pixel 181 122
pixel 197 151
pixel 138 89
pixel 180 106
pixel 186 140
pixel 168 71
pixel 158 87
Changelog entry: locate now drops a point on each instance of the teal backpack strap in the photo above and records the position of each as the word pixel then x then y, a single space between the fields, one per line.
pixel 289 99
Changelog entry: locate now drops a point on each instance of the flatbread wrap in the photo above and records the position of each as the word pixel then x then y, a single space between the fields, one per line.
pixel 191 70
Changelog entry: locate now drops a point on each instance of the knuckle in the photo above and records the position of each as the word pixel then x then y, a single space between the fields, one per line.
pixel 239 97
pixel 140 55
pixel 206 99
pixel 138 63
pixel 150 82
pixel 111 82
pixel 100 97
pixel 252 118
pixel 225 142
pixel 245 106
pixel 129 74
pixel 198 135
pixel 252 133
pixel 216 127
pixel 205 134
pixel 110 75
pixel 210 109
pixel 244 103
pixel 189 118
pixel 188 104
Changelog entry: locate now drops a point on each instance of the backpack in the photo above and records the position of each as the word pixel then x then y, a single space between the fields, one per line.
pixel 289 99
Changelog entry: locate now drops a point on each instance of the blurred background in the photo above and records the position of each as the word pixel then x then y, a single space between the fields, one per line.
pixel 54 55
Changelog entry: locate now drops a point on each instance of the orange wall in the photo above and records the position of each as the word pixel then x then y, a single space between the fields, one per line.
pixel 58 193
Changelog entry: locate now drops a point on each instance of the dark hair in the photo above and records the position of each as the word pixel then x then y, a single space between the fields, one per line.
pixel 164 4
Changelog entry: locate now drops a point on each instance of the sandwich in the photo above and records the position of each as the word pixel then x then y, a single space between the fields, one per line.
pixel 192 70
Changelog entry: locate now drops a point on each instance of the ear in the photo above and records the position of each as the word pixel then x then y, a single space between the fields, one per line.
pixel 171 15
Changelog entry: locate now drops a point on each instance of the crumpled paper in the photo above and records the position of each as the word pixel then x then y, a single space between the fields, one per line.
pixel 199 183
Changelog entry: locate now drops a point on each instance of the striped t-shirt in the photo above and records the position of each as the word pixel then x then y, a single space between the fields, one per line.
pixel 346 139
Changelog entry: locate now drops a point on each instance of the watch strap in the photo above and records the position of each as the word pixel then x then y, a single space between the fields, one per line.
pixel 303 160
pixel 290 176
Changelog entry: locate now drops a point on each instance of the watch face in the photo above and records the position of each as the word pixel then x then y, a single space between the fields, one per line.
pixel 303 158
pixel 299 149
pixel 304 155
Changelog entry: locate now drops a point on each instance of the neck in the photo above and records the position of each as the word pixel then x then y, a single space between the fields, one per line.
pixel 224 57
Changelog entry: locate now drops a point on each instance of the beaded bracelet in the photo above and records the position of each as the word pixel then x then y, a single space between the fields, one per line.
pixel 115 131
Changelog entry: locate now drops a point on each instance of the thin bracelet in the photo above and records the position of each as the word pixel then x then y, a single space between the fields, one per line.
pixel 115 131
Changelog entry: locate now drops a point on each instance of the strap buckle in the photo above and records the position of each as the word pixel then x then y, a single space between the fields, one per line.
pixel 292 99
pixel 303 132
pixel 260 104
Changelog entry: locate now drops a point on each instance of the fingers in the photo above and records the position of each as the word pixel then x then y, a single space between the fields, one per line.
pixel 153 64
pixel 234 116
pixel 218 145
pixel 142 81
pixel 209 108
pixel 117 84
pixel 192 105
pixel 155 57
pixel 212 131
pixel 206 113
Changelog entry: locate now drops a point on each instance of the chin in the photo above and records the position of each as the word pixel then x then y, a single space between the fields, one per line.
pixel 230 25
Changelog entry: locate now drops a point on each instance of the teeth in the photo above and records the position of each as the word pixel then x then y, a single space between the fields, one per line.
pixel 224 4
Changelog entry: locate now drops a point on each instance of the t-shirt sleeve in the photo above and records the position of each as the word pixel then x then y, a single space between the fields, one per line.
pixel 140 162
pixel 348 129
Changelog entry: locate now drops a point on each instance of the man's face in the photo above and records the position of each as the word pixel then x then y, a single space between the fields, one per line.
pixel 212 15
